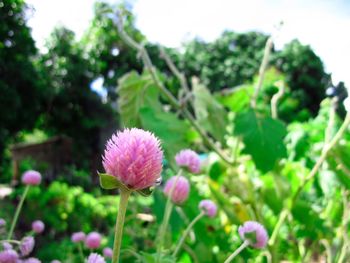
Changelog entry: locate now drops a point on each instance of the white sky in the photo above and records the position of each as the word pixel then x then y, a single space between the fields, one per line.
pixel 323 24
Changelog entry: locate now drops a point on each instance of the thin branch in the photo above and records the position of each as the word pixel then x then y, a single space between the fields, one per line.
pixel 263 66
pixel 173 101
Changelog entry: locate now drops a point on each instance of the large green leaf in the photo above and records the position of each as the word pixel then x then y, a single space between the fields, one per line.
pixel 166 126
pixel 262 137
pixel 136 91
pixel 210 114
pixel 237 98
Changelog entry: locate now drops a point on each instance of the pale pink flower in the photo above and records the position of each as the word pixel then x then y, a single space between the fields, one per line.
pixel 6 245
pixel 95 258
pixel 209 207
pixel 93 240
pixel 27 245
pixel 32 260
pixel 181 190
pixel 78 237
pixel 8 256
pixel 2 222
pixel 107 252
pixel 260 236
pixel 38 226
pixel 134 156
pixel 188 159
pixel 31 178
pixel 55 261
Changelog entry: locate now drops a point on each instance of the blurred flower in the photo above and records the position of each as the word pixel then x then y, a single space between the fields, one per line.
pixel 55 261
pixel 95 258
pixel 31 178
pixel 78 237
pixel 38 226
pixel 2 222
pixel 8 256
pixel 32 260
pixel 188 159
pixel 209 207
pixel 134 156
pixel 181 190
pixel 107 252
pixel 93 240
pixel 27 245
pixel 6 245
pixel 255 233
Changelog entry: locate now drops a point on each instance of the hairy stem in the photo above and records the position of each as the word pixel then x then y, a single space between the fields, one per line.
pixel 18 210
pixel 123 202
pixel 187 231
pixel 274 101
pixel 237 251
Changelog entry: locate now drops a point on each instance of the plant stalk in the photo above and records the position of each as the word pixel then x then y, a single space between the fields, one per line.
pixel 237 251
pixel 123 202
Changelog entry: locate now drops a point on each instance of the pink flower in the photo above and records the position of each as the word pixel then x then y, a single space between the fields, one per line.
pixel 32 260
pixel 134 156
pixel 78 237
pixel 55 261
pixel 27 245
pixel 93 240
pixel 2 222
pixel 95 258
pixel 209 207
pixel 255 233
pixel 181 190
pixel 8 256
pixel 188 159
pixel 107 252
pixel 31 178
pixel 6 245
pixel 38 226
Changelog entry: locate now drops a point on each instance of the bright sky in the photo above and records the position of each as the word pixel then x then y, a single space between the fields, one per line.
pixel 323 24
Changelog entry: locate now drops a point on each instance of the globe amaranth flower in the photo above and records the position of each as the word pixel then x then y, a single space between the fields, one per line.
pixel 181 190
pixel 31 178
pixel 38 226
pixel 78 237
pixel 188 159
pixel 134 157
pixel 55 261
pixel 6 245
pixel 95 258
pixel 209 207
pixel 255 233
pixel 8 256
pixel 32 260
pixel 93 240
pixel 2 222
pixel 107 252
pixel 27 245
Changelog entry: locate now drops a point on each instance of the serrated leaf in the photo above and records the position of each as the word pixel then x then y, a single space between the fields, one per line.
pixel 135 91
pixel 109 182
pixel 262 137
pixel 168 128
pixel 210 114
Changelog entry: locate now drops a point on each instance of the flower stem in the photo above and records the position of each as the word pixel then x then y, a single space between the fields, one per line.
pixel 237 251
pixel 80 247
pixel 18 210
pixel 187 231
pixel 124 196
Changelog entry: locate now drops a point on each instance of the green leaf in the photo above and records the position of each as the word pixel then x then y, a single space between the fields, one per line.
pixel 210 114
pixel 109 182
pixel 237 98
pixel 262 137
pixel 136 91
pixel 168 128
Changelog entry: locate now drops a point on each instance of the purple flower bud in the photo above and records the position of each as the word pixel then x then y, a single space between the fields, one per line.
pixel 209 207
pixel 255 233
pixel 181 190
pixel 27 245
pixel 78 237
pixel 95 258
pixel 38 226
pixel 188 159
pixel 31 178
pixel 6 245
pixel 134 157
pixel 2 222
pixel 93 240
pixel 32 260
pixel 8 256
pixel 107 252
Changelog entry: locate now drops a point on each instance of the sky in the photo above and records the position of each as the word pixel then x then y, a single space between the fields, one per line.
pixel 322 24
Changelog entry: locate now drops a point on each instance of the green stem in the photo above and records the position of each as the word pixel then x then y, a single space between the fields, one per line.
pixel 18 210
pixel 237 251
pixel 11 241
pixel 187 231
pixel 278 225
pixel 123 202
pixel 81 251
